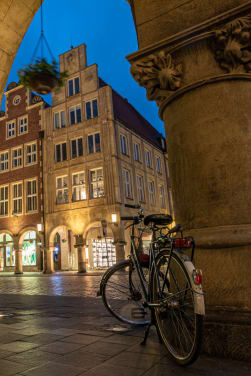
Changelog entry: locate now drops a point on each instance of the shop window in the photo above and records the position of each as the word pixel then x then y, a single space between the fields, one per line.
pixel 31 153
pixel 91 109
pixel 59 120
pixel 96 183
pixel 78 187
pixel 60 152
pixel 29 249
pixel 4 201
pixel 23 125
pixel 17 157
pixel 62 190
pixel 75 115
pixel 17 198
pixel 104 253
pixel 76 148
pixel 73 86
pixel 31 196
pixel 7 253
pixel 93 141
pixel 4 161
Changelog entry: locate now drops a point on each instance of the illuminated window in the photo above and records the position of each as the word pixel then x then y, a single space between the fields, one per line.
pixel 96 183
pixel 17 157
pixel 4 201
pixel 62 189
pixel 31 153
pixel 29 257
pixel 31 196
pixel 78 187
pixel 17 198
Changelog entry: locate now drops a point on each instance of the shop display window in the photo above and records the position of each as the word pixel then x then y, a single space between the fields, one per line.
pixel 104 253
pixel 29 249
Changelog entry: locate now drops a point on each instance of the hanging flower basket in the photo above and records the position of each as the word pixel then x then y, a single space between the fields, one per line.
pixel 42 77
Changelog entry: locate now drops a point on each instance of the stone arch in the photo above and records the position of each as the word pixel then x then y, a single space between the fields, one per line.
pixel 7 232
pixel 15 18
pixel 95 224
pixel 24 231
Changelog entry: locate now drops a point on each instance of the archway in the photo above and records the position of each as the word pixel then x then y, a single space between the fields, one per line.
pixel 64 254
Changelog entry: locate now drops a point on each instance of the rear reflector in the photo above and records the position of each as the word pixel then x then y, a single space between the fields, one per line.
pixel 182 243
pixel 197 276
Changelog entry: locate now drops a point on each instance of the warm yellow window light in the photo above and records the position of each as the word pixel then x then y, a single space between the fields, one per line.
pixel 39 227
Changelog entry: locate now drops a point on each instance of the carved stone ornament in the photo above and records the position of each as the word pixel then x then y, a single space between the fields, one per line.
pixel 233 46
pixel 158 74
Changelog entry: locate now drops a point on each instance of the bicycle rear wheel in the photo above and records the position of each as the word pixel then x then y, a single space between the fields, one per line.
pixel 122 294
pixel 180 327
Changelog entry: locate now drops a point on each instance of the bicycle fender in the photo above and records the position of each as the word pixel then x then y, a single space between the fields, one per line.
pixel 199 304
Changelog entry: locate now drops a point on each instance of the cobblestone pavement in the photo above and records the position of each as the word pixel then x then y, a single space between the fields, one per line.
pixel 55 326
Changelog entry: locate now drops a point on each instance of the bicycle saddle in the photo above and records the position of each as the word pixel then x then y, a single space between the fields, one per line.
pixel 158 219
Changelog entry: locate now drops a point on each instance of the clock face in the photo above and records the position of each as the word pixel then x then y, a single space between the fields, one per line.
pixel 16 100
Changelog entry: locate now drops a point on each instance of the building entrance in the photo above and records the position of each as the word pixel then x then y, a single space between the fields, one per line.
pixel 57 252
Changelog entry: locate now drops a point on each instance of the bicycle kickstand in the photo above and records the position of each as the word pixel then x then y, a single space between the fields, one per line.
pixel 152 322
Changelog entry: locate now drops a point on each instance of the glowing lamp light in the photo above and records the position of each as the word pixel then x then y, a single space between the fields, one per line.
pixel 39 227
pixel 114 218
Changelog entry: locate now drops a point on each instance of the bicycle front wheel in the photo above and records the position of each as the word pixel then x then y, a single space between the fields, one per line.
pixel 179 326
pixel 123 296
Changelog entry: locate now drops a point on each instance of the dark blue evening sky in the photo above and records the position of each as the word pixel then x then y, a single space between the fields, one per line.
pixel 107 28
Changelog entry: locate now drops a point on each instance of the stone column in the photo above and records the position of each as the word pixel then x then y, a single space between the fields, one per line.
pixel 18 257
pixel 120 250
pixel 194 60
pixel 48 260
pixel 80 245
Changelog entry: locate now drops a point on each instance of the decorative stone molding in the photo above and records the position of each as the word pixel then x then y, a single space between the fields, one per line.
pixel 158 74
pixel 36 99
pixel 233 45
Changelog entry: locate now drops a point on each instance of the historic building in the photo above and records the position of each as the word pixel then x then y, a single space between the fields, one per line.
pixel 20 181
pixel 99 154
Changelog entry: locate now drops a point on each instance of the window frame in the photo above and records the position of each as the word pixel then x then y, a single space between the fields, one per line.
pixel 18 198
pixel 13 158
pixel 19 125
pixel 124 144
pixel 94 143
pixel 158 165
pixel 141 189
pixel 136 146
pixel 78 106
pixel 91 183
pixel 4 201
pixel 32 195
pixel 152 196
pixel 32 153
pixel 73 86
pixel 77 147
pixel 147 152
pixel 91 108
pixel 59 113
pixel 63 189
pixel 14 129
pixel 79 186
pixel 127 183
pixel 6 151
pixel 162 197
pixel 61 152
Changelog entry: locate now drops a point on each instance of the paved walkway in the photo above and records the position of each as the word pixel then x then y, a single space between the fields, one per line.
pixel 45 330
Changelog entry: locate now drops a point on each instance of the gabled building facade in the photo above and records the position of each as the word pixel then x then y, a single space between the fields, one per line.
pixel 99 154
pixel 21 205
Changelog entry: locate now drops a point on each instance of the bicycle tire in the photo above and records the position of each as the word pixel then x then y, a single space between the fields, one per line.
pixel 122 294
pixel 180 328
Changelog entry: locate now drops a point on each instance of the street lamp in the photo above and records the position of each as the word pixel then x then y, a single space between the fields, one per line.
pixel 114 218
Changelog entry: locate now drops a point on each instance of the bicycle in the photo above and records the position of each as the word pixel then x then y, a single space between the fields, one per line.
pixel 163 289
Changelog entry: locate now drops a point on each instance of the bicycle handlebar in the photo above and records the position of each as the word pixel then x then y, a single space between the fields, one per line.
pixel 128 218
pixel 175 229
